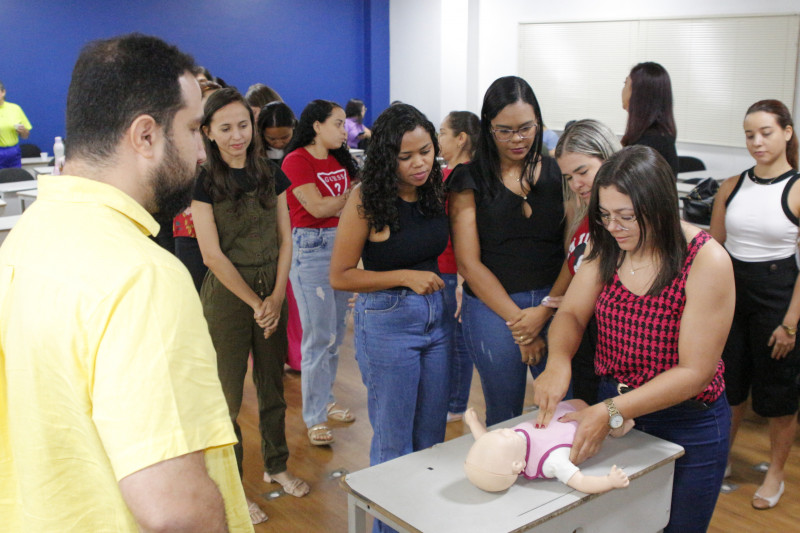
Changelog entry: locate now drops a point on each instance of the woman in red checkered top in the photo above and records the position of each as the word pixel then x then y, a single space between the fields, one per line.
pixel 660 290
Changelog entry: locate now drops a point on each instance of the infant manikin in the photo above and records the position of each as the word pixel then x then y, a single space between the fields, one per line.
pixel 498 457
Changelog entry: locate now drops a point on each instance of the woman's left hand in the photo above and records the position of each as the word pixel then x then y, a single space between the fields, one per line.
pixel 529 323
pixel 782 343
pixel 592 430
pixel 533 352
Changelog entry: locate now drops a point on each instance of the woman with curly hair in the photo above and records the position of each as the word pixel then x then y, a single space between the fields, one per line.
pixel 321 169
pixel 396 223
pixel 239 211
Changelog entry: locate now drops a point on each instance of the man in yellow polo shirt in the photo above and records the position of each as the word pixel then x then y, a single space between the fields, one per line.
pixel 13 125
pixel 112 417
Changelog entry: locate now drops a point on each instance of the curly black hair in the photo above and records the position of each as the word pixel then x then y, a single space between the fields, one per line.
pixel 379 175
pixel 304 134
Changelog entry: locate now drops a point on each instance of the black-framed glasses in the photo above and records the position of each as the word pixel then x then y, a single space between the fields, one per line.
pixel 623 221
pixel 505 134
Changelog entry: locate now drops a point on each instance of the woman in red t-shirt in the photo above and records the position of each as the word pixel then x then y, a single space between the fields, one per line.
pixel 320 169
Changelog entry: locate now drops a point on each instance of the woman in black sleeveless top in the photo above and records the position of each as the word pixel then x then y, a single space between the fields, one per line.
pixel 395 221
pixel 507 218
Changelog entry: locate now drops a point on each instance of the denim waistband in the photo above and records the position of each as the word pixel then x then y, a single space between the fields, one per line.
pixel 402 292
pixel 318 231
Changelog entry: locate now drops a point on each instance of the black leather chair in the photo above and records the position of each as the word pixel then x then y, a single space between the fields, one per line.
pixel 29 150
pixel 689 164
pixel 8 175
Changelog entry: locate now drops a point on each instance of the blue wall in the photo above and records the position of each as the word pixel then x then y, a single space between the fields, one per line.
pixel 304 49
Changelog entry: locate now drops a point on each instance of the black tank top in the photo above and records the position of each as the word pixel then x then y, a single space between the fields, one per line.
pixel 416 245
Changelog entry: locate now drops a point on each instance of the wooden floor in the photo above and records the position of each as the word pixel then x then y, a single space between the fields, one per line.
pixel 325 508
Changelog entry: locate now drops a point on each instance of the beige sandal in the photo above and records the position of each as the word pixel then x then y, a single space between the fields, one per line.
pixel 294 486
pixel 340 415
pixel 257 516
pixel 320 435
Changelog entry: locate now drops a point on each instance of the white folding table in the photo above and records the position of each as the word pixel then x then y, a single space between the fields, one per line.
pixel 427 491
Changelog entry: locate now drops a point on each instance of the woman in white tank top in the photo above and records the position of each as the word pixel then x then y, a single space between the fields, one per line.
pixel 756 218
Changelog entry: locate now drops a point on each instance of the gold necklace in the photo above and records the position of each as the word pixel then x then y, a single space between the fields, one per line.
pixel 633 270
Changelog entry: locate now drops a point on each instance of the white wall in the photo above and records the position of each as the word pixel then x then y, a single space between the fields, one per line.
pixel 415 54
pixel 463 71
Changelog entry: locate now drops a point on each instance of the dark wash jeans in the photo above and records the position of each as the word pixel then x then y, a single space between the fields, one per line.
pixel 704 434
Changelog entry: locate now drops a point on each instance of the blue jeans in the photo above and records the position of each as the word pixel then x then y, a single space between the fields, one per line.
pixel 402 347
pixel 460 362
pixel 322 314
pixel 704 434
pixel 496 356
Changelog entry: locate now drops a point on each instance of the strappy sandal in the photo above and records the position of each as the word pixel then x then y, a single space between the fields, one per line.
pixel 294 486
pixel 257 515
pixel 340 415
pixel 320 435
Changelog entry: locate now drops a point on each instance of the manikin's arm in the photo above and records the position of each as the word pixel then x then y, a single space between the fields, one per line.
pixel 615 479
pixel 475 426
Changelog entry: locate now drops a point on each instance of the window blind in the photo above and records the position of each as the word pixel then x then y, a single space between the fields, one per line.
pixel 718 68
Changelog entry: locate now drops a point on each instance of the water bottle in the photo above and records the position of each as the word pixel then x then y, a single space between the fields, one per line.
pixel 58 154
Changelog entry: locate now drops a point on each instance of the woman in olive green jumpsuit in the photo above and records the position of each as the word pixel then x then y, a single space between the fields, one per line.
pixel 242 225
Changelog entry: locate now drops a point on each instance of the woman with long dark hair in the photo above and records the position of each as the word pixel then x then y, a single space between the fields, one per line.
pixel 458 139
pixel 321 171
pixel 660 290
pixel 647 97
pixel 396 223
pixel 242 225
pixel 507 220
pixel 756 218
pixel 276 123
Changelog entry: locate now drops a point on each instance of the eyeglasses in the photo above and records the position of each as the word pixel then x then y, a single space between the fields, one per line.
pixel 623 221
pixel 504 135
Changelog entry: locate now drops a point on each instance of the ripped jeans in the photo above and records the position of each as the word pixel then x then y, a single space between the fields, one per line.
pixel 497 358
pixel 322 314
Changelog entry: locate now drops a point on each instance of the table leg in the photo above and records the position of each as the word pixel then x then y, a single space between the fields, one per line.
pixel 356 516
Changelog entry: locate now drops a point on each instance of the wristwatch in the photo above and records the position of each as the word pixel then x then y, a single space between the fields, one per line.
pixel 615 419
pixel 790 330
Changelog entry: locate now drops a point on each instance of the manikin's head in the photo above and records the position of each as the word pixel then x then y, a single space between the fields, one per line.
pixel 496 459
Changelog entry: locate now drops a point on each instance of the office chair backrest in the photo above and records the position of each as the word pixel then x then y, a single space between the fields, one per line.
pixel 7 175
pixel 29 150
pixel 689 164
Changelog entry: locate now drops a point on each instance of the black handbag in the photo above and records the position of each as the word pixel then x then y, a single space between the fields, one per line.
pixel 697 205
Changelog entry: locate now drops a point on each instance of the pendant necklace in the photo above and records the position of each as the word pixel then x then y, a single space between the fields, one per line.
pixel 633 270
pixel 522 191
pixel 768 181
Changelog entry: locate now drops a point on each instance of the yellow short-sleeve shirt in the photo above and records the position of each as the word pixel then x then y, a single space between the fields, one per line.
pixel 106 364
pixel 10 116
